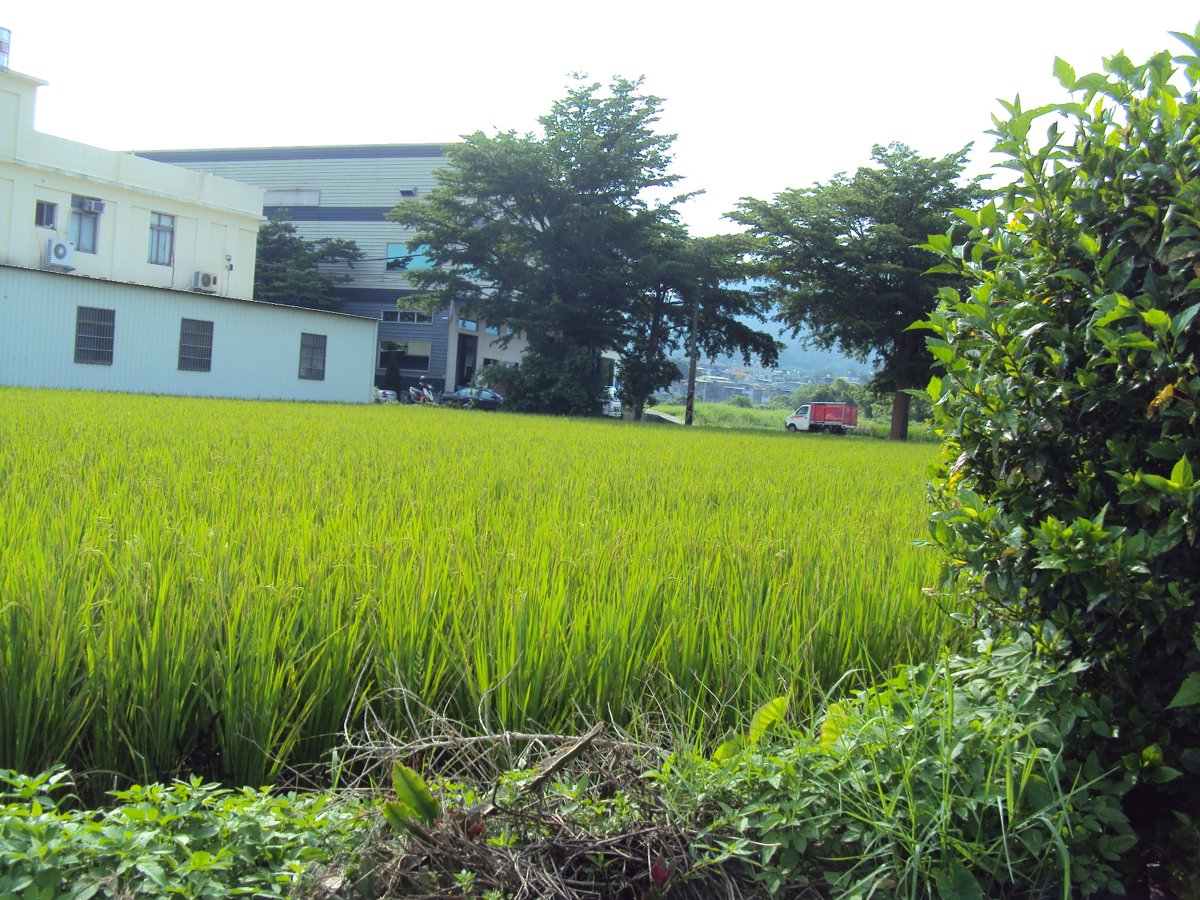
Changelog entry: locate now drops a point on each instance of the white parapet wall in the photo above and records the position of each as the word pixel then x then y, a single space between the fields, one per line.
pixel 118 216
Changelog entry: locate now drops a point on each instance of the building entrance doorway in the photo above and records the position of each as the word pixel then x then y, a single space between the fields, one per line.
pixel 468 347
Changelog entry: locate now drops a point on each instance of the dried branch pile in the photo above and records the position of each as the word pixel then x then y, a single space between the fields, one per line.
pixel 533 816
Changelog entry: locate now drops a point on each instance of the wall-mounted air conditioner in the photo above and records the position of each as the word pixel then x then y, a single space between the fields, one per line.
pixel 59 252
pixel 205 281
pixel 93 206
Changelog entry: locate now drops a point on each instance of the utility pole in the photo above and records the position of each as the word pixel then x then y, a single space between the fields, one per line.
pixel 694 358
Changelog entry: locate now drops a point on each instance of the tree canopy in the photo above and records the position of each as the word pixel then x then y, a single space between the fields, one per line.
pixel 843 261
pixel 571 237
pixel 289 268
pixel 685 278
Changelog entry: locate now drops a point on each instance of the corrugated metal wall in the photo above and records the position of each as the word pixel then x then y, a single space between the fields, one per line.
pixel 356 185
pixel 255 346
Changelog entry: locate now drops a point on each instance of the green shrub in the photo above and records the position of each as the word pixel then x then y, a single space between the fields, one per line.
pixel 1069 402
pixel 948 780
pixel 187 839
pixel 569 385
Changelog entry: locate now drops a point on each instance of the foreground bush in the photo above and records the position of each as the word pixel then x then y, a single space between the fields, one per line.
pixel 1069 407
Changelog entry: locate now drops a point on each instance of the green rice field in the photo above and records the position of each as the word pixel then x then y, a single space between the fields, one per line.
pixel 225 586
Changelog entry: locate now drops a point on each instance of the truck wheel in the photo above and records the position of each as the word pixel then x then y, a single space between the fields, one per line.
pixel 791 427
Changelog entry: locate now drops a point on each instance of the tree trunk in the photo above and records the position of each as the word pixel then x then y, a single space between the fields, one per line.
pixel 638 409
pixel 693 358
pixel 901 401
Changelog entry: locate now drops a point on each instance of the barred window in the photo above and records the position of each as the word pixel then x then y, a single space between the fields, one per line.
pixel 195 345
pixel 312 356
pixel 95 331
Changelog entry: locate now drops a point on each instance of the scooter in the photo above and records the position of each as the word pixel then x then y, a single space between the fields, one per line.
pixel 422 393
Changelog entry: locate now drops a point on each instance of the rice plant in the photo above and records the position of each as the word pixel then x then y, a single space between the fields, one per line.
pixel 223 586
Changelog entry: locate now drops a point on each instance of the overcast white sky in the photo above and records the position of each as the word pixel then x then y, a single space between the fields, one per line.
pixel 763 95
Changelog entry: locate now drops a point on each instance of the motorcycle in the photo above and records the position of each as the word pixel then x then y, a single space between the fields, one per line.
pixel 422 393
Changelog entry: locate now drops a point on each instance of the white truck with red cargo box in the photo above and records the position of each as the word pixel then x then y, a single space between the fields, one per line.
pixel 836 418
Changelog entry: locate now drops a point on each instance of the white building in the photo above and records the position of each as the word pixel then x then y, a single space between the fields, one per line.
pixel 119 273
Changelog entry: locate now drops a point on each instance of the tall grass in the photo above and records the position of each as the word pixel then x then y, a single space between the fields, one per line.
pixel 222 586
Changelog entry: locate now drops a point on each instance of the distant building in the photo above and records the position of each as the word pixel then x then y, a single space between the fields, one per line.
pixel 119 273
pixel 346 192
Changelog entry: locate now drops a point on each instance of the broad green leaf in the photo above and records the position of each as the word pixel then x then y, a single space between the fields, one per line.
pixel 402 818
pixel 1135 341
pixel 1163 774
pixel 969 216
pixel 1181 474
pixel 412 792
pixel 767 716
pixel 1118 275
pixel 1188 693
pixel 1181 322
pixel 1089 245
pixel 1064 72
pixel 1192 42
pixel 833 725
pixel 1120 308
pixel 1158 482
pixel 728 748
pixel 956 881
pixel 987 215
pixel 938 243
pixel 154 872
pixel 1157 319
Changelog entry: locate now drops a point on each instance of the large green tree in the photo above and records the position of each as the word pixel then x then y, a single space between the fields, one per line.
pixel 571 237
pixel 541 232
pixel 297 272
pixel 842 260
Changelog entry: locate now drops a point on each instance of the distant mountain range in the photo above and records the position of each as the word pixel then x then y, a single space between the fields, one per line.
pixel 807 361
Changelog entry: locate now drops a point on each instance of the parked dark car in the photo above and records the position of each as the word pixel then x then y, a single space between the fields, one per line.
pixel 474 398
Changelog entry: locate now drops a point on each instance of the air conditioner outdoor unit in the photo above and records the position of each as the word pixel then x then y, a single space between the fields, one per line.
pixel 94 206
pixel 59 252
pixel 205 281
